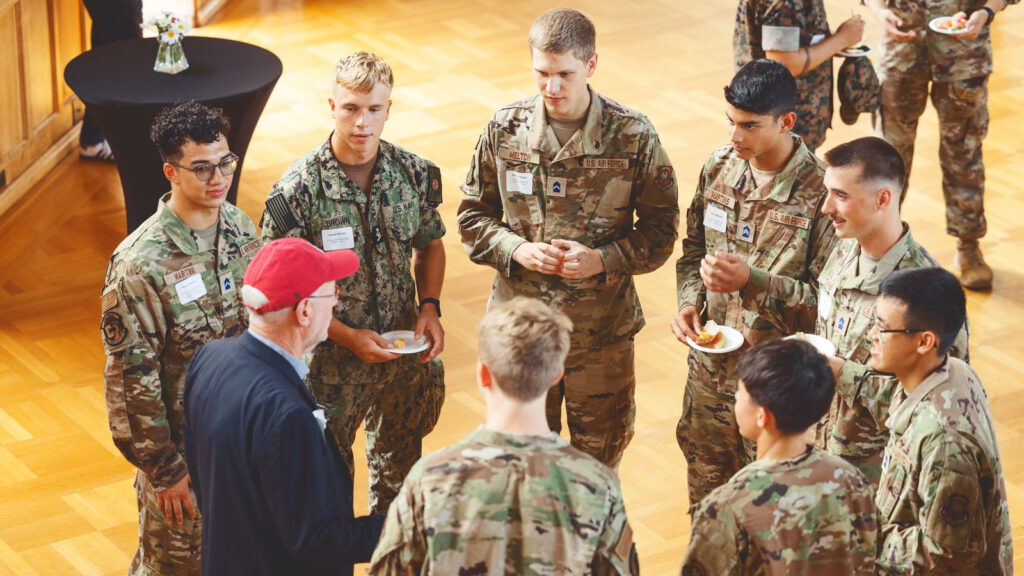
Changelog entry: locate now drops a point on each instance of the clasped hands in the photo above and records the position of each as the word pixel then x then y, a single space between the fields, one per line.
pixel 565 258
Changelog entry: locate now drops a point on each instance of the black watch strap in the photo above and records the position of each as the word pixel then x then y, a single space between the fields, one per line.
pixel 434 301
pixel 991 14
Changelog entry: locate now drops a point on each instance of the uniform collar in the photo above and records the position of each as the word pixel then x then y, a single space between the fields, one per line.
pixel 899 419
pixel 528 442
pixel 872 282
pixel 586 142
pixel 334 182
pixel 175 228
pixel 737 174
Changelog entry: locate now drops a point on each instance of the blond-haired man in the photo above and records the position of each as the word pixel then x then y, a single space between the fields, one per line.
pixel 513 497
pixel 358 192
pixel 568 196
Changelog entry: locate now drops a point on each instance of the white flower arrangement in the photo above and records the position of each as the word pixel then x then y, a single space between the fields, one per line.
pixel 170 28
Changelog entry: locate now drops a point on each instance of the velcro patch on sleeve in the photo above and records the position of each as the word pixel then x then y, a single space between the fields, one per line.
pixel 434 185
pixel 279 211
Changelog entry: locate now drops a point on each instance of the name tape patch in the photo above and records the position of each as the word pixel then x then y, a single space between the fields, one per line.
pixel 184 273
pixel 518 156
pixel 606 163
pixel 789 220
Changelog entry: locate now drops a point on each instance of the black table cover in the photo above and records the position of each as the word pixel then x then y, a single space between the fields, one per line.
pixel 118 85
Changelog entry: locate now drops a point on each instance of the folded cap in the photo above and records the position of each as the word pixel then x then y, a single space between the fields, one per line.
pixel 858 88
pixel 287 270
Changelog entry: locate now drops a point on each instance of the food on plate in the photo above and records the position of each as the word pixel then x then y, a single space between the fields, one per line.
pixel 857 50
pixel 399 342
pixel 804 337
pixel 956 23
pixel 711 336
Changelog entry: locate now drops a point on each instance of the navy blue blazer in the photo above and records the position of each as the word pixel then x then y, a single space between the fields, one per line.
pixel 275 496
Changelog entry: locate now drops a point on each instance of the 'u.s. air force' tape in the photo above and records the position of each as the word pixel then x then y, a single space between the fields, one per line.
pixel 281 214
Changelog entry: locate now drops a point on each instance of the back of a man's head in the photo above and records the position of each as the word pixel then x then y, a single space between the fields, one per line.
pixel 790 379
pixel 523 343
pixel 762 87
pixel 562 30
pixel 879 162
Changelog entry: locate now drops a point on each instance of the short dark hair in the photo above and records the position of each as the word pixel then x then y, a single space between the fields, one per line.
pixel 184 121
pixel 790 379
pixel 934 301
pixel 878 161
pixel 762 87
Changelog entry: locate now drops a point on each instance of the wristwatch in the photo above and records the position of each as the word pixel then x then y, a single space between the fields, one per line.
pixel 991 14
pixel 434 301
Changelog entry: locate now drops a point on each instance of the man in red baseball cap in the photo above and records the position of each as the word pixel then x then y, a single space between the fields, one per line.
pixel 275 496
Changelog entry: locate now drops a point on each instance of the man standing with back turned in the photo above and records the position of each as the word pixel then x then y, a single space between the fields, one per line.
pixel 549 202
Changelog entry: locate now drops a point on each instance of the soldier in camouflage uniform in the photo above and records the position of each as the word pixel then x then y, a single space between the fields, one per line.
pixel 513 497
pixel 360 193
pixel 172 285
pixel 864 178
pixel 796 33
pixel 757 209
pixel 942 500
pixel 796 510
pixel 911 57
pixel 549 202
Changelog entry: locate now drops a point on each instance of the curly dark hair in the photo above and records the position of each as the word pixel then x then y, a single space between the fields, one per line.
pixel 183 121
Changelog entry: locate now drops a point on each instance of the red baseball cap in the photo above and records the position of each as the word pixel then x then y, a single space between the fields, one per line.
pixel 287 270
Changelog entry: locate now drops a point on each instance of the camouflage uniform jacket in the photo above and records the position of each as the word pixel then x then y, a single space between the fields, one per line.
pixel 787 26
pixel 854 427
pixel 814 514
pixel 778 228
pixel 162 300
pixel 316 201
pixel 946 57
pixel 587 191
pixel 507 504
pixel 942 502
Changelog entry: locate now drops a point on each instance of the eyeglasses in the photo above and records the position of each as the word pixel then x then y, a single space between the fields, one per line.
pixel 205 171
pixel 337 294
pixel 878 328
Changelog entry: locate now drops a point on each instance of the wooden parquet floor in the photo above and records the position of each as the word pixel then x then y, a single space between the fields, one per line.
pixel 66 498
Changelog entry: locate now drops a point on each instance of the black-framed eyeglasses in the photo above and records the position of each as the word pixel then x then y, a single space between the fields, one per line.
pixel 205 171
pixel 337 294
pixel 877 327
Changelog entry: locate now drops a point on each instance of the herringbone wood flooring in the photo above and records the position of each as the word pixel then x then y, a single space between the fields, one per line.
pixel 66 501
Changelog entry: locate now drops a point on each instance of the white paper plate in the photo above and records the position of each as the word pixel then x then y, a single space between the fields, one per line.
pixel 858 50
pixel 820 342
pixel 733 340
pixel 412 345
pixel 934 26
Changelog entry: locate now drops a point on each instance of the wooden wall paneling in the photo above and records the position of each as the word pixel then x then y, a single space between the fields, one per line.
pixel 38 55
pixel 69 42
pixel 12 124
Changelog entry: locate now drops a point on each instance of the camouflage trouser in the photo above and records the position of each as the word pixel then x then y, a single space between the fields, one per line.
pixel 811 126
pixel 397 414
pixel 598 389
pixel 165 548
pixel 708 434
pixel 962 107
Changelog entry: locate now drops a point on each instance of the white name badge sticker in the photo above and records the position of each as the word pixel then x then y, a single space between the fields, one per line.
pixel 715 218
pixel 824 303
pixel 521 182
pixel 191 288
pixel 338 239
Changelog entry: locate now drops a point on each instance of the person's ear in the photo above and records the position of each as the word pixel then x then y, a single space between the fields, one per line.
pixel 170 173
pixel 592 65
pixel 330 102
pixel 304 312
pixel 483 375
pixel 764 418
pixel 884 198
pixel 788 121
pixel 926 341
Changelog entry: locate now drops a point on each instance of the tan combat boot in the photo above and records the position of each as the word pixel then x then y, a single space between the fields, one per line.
pixel 975 274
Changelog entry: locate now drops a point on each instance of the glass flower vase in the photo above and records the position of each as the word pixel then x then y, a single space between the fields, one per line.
pixel 170 58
